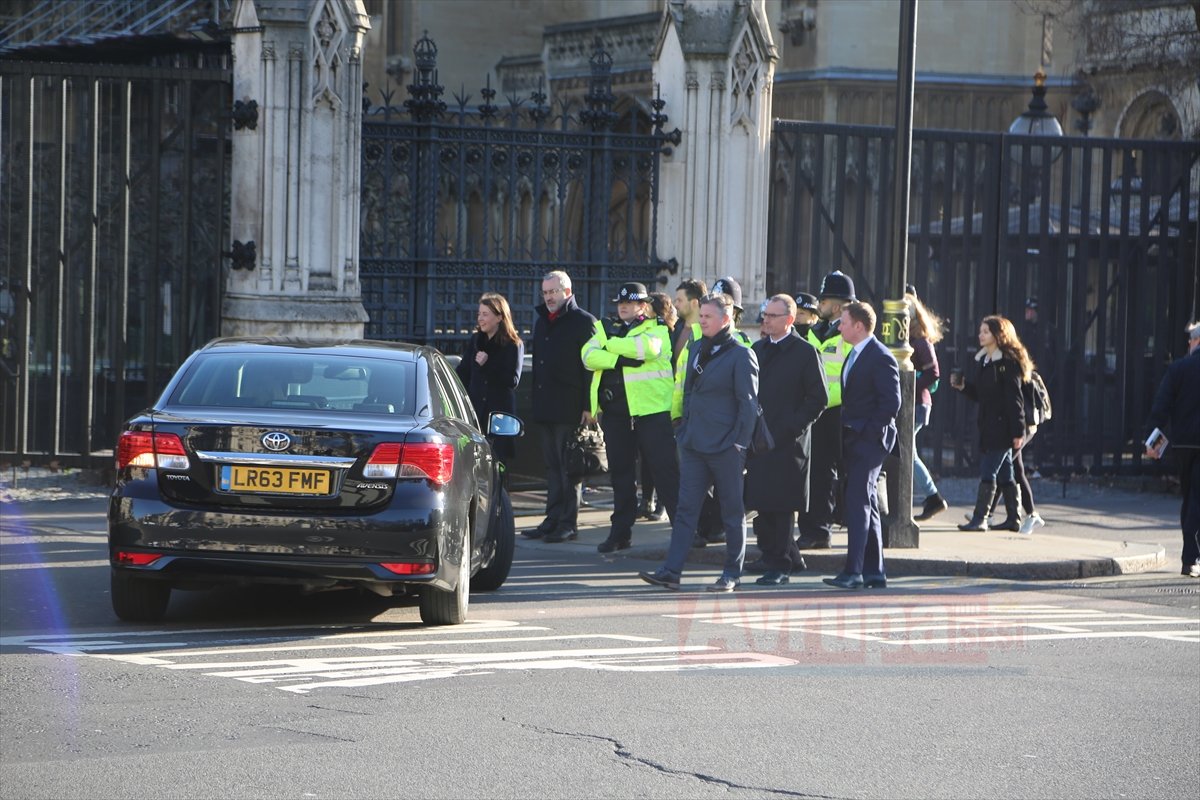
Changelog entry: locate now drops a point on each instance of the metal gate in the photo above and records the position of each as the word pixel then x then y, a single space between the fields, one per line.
pixel 1102 233
pixel 114 207
pixel 489 198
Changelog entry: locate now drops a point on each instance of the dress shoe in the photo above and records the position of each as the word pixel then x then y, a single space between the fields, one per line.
pixel 536 533
pixel 973 526
pixel 773 579
pixel 874 583
pixel 610 544
pixel 844 581
pixel 658 514
pixel 722 584
pixel 934 504
pixel 560 536
pixel 704 541
pixel 661 578
pixel 798 565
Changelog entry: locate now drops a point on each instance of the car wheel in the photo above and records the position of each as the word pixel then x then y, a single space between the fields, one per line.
pixel 439 607
pixel 504 529
pixel 136 599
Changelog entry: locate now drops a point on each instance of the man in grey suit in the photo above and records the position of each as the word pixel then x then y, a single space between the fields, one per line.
pixel 720 404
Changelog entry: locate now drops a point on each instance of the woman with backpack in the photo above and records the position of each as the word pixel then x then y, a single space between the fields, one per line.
pixel 1002 366
pixel 924 332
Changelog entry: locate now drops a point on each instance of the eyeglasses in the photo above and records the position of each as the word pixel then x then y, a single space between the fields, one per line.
pixel 767 315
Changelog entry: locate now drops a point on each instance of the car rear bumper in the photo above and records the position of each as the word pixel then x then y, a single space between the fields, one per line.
pixel 210 547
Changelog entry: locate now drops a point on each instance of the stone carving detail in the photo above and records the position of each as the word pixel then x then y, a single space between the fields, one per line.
pixel 327 37
pixel 268 51
pixel 745 78
pixel 693 81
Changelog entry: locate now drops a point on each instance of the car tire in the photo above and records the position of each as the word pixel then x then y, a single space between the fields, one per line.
pixel 504 529
pixel 136 599
pixel 439 607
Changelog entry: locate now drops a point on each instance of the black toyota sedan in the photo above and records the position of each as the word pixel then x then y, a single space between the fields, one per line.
pixel 312 463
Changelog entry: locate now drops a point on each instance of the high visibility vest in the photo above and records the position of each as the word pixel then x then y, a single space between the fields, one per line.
pixel 647 387
pixel 681 364
pixel 833 353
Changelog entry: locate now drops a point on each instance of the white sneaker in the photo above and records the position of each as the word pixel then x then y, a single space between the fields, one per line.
pixel 1034 520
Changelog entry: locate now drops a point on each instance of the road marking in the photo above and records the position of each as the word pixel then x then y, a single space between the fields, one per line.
pixel 395 656
pixel 966 624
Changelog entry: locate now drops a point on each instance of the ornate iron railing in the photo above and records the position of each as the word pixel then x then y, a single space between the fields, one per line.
pixel 474 198
pixel 1102 232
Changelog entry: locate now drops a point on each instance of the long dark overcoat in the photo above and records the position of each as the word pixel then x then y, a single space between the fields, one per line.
pixel 792 393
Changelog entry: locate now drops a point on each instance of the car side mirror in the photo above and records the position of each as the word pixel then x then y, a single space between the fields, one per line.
pixel 501 424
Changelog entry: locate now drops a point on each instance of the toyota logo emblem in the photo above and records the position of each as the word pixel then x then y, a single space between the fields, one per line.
pixel 275 440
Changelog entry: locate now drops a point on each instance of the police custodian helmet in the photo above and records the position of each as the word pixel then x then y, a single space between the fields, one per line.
pixel 729 286
pixel 838 286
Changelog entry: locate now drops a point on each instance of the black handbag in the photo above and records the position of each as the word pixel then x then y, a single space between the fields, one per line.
pixel 584 454
pixel 761 441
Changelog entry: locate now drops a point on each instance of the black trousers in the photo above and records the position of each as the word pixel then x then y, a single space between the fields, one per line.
pixel 816 524
pixel 562 492
pixel 1188 459
pixel 624 438
pixel 773 530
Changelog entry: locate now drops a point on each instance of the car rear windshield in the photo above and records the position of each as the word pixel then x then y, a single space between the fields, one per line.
pixel 299 381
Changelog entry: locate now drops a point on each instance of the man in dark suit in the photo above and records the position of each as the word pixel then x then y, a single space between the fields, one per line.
pixel 720 405
pixel 791 391
pixel 561 401
pixel 1176 412
pixel 870 402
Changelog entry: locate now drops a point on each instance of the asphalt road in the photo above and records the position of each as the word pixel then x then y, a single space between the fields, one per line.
pixel 576 680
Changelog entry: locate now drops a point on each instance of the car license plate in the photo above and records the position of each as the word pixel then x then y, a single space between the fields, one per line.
pixel 274 480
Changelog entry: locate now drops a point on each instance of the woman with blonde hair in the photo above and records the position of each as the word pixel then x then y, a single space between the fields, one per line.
pixel 924 332
pixel 491 366
pixel 1002 365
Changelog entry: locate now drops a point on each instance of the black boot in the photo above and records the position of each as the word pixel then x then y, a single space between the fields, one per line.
pixel 934 504
pixel 1012 508
pixel 983 504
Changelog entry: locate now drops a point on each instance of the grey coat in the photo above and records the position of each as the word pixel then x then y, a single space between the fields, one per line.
pixel 720 403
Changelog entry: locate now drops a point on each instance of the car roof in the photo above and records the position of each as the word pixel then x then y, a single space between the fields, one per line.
pixel 372 348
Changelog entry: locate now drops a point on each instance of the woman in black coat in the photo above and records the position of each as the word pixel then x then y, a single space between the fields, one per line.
pixel 1002 365
pixel 491 366
pixel 792 394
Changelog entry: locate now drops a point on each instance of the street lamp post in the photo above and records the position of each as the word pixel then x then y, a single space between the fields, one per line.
pixel 899 528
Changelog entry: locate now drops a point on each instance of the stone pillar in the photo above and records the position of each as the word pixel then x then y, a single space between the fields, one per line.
pixel 295 178
pixel 714 62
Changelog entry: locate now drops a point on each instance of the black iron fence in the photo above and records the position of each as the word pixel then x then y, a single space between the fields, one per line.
pixel 1100 233
pixel 474 198
pixel 114 208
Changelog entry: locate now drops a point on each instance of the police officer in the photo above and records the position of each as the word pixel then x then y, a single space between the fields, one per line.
pixel 710 529
pixel 632 385
pixel 806 313
pixel 816 525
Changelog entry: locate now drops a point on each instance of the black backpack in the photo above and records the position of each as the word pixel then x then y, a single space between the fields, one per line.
pixel 1038 409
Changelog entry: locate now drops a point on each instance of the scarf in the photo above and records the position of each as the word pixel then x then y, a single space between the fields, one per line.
pixel 710 347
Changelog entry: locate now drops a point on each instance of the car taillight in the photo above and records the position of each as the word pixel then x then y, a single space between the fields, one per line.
pixel 146 449
pixel 428 460
pixel 384 462
pixel 434 462
pixel 411 567
pixel 136 559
